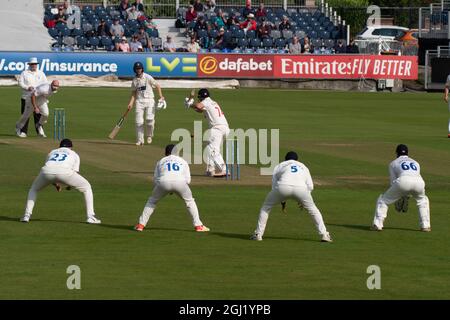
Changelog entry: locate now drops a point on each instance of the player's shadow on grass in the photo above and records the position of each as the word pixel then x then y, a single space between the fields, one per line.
pixel 113 142
pixel 366 227
pixel 247 236
pixel 17 219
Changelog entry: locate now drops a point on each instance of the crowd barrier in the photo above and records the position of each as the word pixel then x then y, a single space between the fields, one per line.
pixel 237 66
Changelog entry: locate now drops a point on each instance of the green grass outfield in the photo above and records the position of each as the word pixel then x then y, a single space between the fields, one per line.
pixel 346 139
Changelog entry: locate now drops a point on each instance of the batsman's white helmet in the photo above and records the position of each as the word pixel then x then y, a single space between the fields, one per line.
pixel 162 104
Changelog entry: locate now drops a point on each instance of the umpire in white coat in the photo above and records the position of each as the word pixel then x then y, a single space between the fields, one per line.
pixel 28 80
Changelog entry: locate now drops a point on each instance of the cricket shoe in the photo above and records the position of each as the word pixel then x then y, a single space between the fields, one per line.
pixel 425 229
pixel 139 227
pixel 41 132
pixel 256 237
pixel 20 134
pixel 25 218
pixel 375 228
pixel 139 143
pixel 326 238
pixel 220 174
pixel 202 228
pixel 149 140
pixel 448 136
pixel 93 220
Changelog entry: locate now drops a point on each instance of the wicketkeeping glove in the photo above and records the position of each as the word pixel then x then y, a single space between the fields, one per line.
pixel 401 205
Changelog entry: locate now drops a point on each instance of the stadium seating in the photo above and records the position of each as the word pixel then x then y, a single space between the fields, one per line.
pixel 303 23
pixel 85 37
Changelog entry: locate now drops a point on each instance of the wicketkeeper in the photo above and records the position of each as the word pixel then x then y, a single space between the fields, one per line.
pixel 405 181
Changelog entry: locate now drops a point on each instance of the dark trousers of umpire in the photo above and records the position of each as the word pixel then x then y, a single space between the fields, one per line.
pixel 36 117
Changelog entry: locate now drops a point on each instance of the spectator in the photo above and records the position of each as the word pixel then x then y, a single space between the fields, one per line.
pixel 139 6
pixel 220 20
pixel 191 14
pixel 200 25
pixel 123 6
pixel 340 47
pixel 169 45
pixel 150 23
pixel 285 24
pixel 198 6
pixel 193 46
pixel 123 45
pixel 210 5
pixel 295 46
pixel 144 39
pixel 248 9
pixel 220 43
pixel 261 12
pixel 60 17
pixel 352 47
pixel 306 48
pixel 68 8
pixel 264 29
pixel 135 44
pixel 230 22
pixel 132 13
pixel 102 29
pixel 116 30
pixel 249 24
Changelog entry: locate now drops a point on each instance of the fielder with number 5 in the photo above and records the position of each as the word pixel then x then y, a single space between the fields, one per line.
pixel 291 179
pixel 142 95
pixel 405 180
pixel 172 175
pixel 61 167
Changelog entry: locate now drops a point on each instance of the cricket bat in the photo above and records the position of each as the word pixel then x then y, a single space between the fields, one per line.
pixel 116 129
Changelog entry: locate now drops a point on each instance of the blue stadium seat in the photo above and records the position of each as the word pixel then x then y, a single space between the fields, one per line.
pixel 267 43
pixel 202 33
pixel 65 32
pixel 242 43
pixel 213 33
pixel 53 32
pixel 251 34
pixel 255 43
pixel 280 43
pixel 236 50
pixel 215 50
pixel 93 43
pixel 106 42
pixel 260 51
pixel 81 42
pixel 287 34
pixel 203 50
pixel 77 32
pixel 239 34
pixel 248 51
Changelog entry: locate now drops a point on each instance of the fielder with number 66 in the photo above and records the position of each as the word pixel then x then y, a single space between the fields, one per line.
pixel 405 180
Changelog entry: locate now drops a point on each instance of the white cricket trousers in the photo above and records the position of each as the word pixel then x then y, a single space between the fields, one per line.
pixel 284 192
pixel 72 179
pixel 43 110
pixel 403 186
pixel 160 190
pixel 145 115
pixel 215 159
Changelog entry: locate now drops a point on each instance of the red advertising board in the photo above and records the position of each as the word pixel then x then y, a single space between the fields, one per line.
pixel 235 66
pixel 307 66
pixel 345 67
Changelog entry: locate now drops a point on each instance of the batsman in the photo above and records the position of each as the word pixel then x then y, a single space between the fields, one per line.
pixel 219 128
pixel 142 95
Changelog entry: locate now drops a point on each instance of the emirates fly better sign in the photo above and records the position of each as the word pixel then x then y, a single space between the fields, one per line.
pixel 307 66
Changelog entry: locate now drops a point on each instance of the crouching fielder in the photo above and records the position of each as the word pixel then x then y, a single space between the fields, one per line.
pixel 61 167
pixel 37 101
pixel 172 175
pixel 405 180
pixel 291 179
